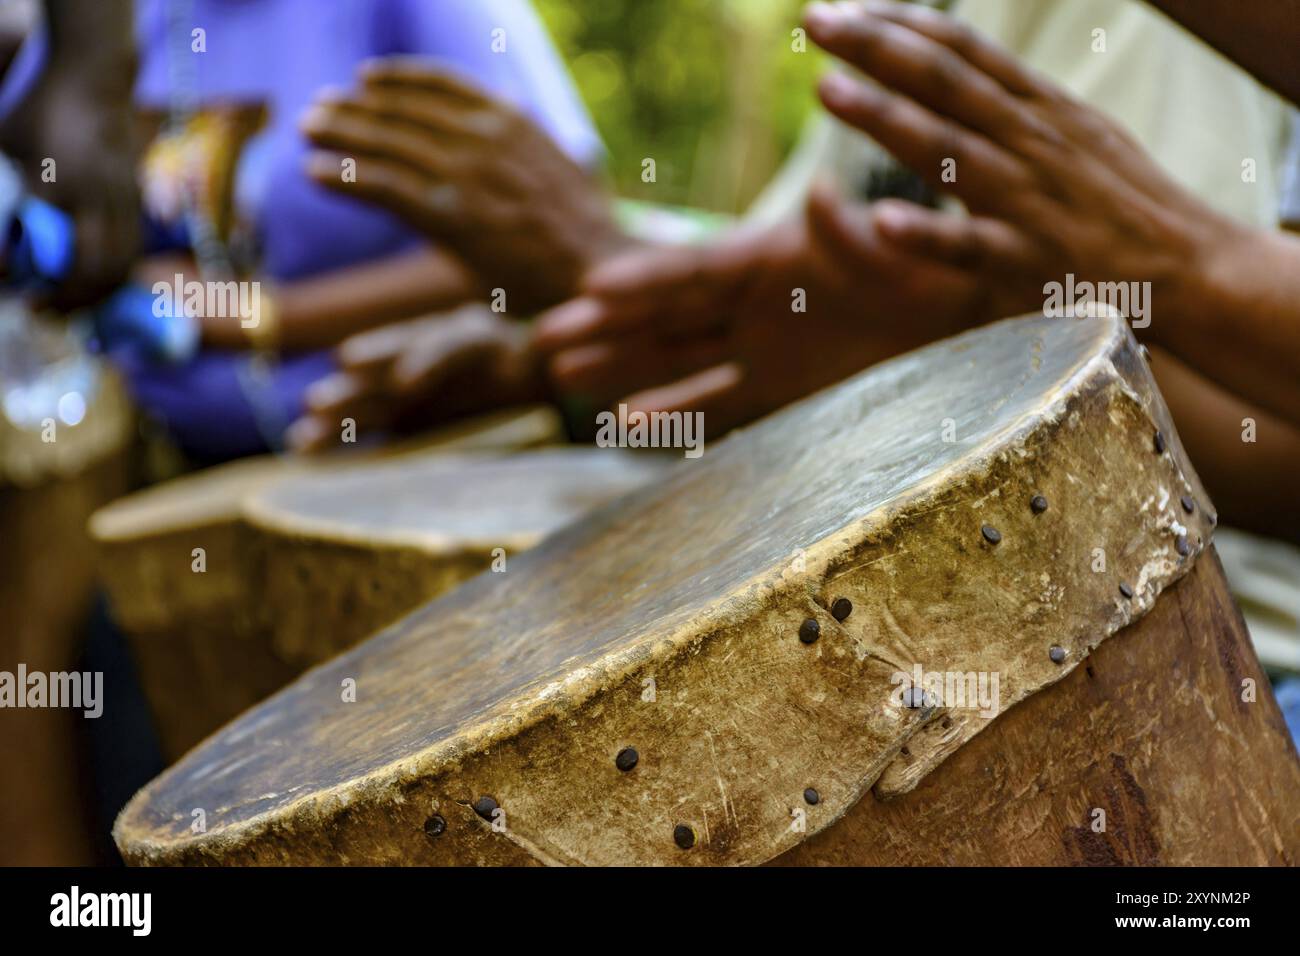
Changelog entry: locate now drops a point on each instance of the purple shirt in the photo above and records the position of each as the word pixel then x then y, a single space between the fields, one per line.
pixel 281 52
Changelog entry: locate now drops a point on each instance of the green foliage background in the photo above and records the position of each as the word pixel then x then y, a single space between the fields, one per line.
pixel 710 89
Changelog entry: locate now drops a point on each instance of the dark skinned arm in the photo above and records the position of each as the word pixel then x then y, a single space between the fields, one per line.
pixel 1055 187
pixel 322 311
pixel 1261 36
pixel 78 114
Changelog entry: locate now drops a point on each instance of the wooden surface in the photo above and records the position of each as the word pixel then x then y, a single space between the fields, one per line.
pixel 145 539
pixel 1154 731
pixel 201 641
pixel 323 560
pixel 339 556
pixel 47 585
pixel 524 687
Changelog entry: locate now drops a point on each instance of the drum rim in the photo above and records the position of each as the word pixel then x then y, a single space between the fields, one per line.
pixel 141 841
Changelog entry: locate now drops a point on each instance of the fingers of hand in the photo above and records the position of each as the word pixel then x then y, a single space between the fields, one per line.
pixel 916 66
pixel 391 184
pixel 975 243
pixel 893 272
pixel 572 323
pixel 608 369
pixel 372 350
pixel 336 392
pixel 671 290
pixel 309 433
pixel 356 130
pixel 659 270
pixel 944 153
pixel 715 392
pixel 435 118
pixel 445 349
pixel 966 43
pixel 623 295
pixel 419 73
pixel 846 232
pixel 328 403
pixel 322 430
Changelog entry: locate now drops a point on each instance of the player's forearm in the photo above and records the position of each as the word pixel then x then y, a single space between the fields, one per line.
pixel 322 311
pixel 1262 36
pixel 1238 319
pixel 91 32
pixel 1247 457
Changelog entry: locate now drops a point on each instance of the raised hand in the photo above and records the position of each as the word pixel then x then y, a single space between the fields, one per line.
pixel 419 373
pixel 753 320
pixel 1055 188
pixel 467 170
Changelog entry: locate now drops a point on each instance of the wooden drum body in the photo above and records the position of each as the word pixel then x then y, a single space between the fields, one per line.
pixel 182 568
pixel 719 670
pixel 47 587
pixel 342 555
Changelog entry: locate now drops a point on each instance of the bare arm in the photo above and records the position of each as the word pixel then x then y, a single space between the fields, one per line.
pixel 1239 319
pixel 77 116
pixel 1055 189
pixel 322 311
pixel 90 29
pixel 1261 36
pixel 1247 458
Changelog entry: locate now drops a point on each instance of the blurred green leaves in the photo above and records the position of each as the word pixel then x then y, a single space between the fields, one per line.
pixel 710 89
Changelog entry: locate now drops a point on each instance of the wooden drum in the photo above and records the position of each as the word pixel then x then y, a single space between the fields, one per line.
pixel 786 651
pixel 339 556
pixel 48 488
pixel 179 563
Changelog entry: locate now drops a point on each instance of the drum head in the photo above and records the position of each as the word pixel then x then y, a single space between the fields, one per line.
pixel 450 504
pixel 663 681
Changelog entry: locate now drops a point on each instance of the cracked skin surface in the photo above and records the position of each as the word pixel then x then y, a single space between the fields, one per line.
pixel 524 686
pixel 1153 732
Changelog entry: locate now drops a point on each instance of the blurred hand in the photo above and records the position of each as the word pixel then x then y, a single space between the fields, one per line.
pixel 1053 185
pixel 79 115
pixel 752 321
pixel 469 171
pixel 415 374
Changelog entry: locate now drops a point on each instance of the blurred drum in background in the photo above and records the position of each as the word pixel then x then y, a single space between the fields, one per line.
pixel 962 608
pixel 178 563
pixel 343 555
pixel 65 434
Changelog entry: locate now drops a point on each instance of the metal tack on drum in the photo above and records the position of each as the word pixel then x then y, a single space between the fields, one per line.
pixel 683 836
pixel 485 807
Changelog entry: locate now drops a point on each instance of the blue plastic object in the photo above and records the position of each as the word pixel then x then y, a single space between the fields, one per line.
pixel 133 317
pixel 41 244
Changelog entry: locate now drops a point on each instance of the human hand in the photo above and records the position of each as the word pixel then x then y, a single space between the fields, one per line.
pixel 469 171
pixel 740 326
pixel 419 373
pixel 1053 185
